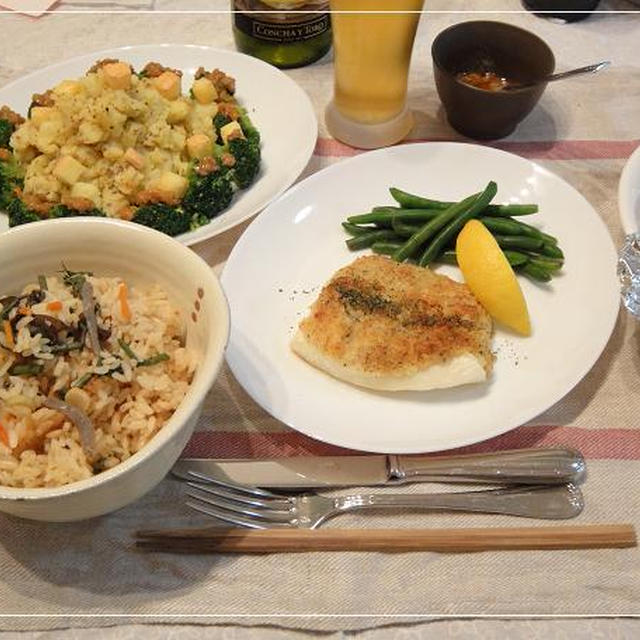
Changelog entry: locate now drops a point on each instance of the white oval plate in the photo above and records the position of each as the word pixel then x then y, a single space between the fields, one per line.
pixel 629 194
pixel 279 108
pixel 285 256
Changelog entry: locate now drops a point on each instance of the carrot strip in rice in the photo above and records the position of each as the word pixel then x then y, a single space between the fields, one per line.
pixel 125 310
pixel 8 333
pixel 4 438
pixel 54 305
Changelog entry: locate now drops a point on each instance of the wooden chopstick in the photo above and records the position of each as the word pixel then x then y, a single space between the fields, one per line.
pixel 218 540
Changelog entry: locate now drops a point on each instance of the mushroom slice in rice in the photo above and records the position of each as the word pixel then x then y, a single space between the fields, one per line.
pixel 79 419
pixel 89 308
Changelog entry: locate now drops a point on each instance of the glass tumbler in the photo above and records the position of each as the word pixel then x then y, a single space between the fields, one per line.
pixel 373 41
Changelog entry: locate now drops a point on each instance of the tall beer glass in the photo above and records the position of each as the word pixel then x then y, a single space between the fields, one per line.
pixel 373 40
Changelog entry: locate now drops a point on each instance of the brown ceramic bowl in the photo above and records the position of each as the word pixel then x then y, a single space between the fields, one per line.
pixel 510 52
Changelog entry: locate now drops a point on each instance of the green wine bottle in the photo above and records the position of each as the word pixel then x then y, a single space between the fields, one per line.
pixel 285 33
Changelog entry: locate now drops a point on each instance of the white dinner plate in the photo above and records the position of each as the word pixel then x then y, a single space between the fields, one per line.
pixel 285 256
pixel 629 194
pixel 279 108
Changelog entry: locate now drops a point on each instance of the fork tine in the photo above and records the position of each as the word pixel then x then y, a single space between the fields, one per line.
pixel 238 516
pixel 281 504
pixel 226 517
pixel 263 514
pixel 244 489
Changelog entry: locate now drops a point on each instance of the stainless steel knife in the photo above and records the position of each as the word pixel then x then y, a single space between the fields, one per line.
pixel 521 466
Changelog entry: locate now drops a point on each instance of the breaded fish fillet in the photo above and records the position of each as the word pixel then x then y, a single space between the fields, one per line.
pixel 391 326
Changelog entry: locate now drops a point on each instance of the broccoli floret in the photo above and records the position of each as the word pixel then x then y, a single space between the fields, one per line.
pixel 219 120
pixel 248 128
pixel 10 178
pixel 162 217
pixel 62 211
pixel 247 155
pixel 209 194
pixel 19 213
pixel 246 152
pixel 6 130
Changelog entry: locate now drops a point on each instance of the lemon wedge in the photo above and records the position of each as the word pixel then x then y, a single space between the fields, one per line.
pixel 490 277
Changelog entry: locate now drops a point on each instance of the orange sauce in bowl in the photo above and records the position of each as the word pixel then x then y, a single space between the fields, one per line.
pixel 487 80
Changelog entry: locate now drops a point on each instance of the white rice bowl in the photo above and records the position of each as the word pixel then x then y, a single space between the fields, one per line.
pixel 177 308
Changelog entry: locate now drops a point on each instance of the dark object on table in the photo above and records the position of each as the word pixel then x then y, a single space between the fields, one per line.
pixel 562 9
pixel 296 35
pixel 489 47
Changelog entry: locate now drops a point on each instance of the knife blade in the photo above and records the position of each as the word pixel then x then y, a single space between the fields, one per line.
pixel 520 466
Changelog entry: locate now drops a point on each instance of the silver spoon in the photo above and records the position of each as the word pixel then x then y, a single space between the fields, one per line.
pixel 592 68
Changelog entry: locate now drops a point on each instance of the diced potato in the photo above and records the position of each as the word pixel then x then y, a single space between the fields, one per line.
pixel 178 111
pixel 117 75
pixel 172 184
pixel 128 181
pixel 48 132
pixel 167 85
pixel 68 170
pixel 69 87
pixel 112 151
pixel 133 158
pixel 90 133
pixel 42 114
pixel 93 83
pixel 204 91
pixel 198 146
pixel 86 190
pixel 231 130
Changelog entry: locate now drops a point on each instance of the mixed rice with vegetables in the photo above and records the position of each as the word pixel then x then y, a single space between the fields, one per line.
pixel 90 370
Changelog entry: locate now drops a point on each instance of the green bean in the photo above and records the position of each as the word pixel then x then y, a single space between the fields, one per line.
pixel 65 348
pixel 411 201
pixel 127 349
pixel 413 244
pixel 42 281
pixel 549 264
pixel 533 232
pixel 367 239
pixel 503 226
pixel 383 216
pixel 407 214
pixel 26 369
pixel 545 236
pixel 456 222
pixel 518 242
pixel 507 210
pixel 403 229
pixel 82 380
pixel 7 307
pixel 379 218
pixel 385 248
pixel 535 272
pixel 148 362
pixel 511 227
pixel 356 230
pixel 552 251
pixel 515 258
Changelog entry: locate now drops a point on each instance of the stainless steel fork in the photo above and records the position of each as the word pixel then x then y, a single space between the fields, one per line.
pixel 260 509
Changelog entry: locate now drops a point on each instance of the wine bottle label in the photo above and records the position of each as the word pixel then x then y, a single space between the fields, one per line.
pixel 300 28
